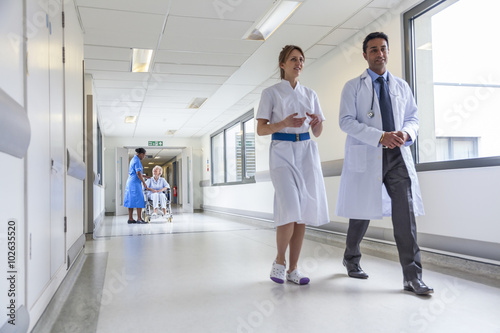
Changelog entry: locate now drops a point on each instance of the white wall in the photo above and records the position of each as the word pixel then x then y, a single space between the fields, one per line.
pixel 459 203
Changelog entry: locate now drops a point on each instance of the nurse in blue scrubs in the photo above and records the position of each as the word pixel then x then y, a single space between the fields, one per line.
pixel 134 197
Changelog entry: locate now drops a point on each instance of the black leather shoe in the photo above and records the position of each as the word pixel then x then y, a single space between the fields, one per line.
pixel 141 222
pixel 354 270
pixel 131 221
pixel 418 287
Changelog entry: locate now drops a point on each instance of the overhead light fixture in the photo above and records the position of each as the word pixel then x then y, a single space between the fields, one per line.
pixel 272 19
pixel 427 47
pixel 170 132
pixel 157 157
pixel 130 119
pixel 197 102
pixel 141 60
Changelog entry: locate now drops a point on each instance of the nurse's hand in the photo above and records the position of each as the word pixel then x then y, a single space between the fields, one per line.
pixel 315 124
pixel 291 121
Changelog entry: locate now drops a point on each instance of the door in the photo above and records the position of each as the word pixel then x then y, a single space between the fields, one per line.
pixel 57 144
pixel 121 160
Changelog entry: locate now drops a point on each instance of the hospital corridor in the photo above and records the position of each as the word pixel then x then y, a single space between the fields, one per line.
pixel 249 166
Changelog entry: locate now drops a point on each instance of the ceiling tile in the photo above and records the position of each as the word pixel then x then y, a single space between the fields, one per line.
pixel 107 65
pixel 318 51
pixel 186 27
pixel 363 18
pixel 183 78
pixel 143 6
pixel 194 69
pixel 248 11
pixel 337 36
pixel 197 58
pixel 121 21
pixel 107 53
pixel 325 12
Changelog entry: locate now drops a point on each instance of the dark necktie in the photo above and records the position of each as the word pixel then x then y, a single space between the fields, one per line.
pixel 385 106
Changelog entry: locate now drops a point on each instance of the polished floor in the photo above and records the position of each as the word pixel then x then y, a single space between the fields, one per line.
pixel 208 272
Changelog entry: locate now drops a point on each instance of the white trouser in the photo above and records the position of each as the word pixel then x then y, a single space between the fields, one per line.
pixel 159 197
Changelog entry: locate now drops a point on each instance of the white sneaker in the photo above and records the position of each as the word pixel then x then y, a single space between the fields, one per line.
pixel 297 277
pixel 278 272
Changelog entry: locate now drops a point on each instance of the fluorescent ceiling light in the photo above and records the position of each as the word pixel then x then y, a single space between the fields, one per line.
pixel 170 132
pixel 141 59
pixel 427 47
pixel 272 19
pixel 130 119
pixel 197 102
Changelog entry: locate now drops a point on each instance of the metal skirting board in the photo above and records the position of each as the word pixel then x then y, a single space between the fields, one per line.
pixel 75 250
pixel 458 247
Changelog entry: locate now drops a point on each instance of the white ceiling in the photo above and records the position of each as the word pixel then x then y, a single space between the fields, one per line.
pixel 199 52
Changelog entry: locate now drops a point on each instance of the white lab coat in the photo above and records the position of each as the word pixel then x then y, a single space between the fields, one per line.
pixel 362 194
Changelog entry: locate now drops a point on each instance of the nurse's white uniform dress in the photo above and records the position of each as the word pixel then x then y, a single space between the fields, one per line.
pixel 295 167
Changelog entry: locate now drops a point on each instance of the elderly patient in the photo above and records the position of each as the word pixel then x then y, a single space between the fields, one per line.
pixel 157 185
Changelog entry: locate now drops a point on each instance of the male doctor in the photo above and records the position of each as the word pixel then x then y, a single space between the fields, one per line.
pixel 379 115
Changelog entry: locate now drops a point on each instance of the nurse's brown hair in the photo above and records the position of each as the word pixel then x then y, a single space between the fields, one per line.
pixel 285 52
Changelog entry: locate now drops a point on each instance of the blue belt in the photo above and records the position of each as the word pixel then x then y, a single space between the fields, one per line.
pixel 291 136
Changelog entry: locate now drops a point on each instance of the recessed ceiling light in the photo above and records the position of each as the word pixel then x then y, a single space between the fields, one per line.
pixel 141 60
pixel 197 102
pixel 171 132
pixel 275 16
pixel 130 119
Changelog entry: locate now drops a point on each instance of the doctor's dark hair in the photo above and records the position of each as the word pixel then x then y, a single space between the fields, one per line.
pixel 140 151
pixel 374 35
pixel 285 52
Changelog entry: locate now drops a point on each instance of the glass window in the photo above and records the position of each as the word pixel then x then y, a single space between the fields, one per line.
pixel 233 152
pixel 456 78
pixel 218 169
pixel 249 130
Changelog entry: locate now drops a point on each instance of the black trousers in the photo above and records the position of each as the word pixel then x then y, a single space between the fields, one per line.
pixel 398 184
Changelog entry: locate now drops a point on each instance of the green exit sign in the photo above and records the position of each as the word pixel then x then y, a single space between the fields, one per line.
pixel 155 143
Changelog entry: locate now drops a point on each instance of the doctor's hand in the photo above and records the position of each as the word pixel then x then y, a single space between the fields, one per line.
pixel 392 140
pixel 291 121
pixel 403 135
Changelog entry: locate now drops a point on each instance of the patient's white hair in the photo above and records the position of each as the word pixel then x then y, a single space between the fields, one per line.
pixel 158 167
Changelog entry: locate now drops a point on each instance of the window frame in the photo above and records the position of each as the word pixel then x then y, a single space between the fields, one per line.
pixel 244 180
pixel 99 154
pixel 409 61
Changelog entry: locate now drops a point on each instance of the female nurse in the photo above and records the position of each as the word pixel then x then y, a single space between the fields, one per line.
pixel 134 197
pixel 287 111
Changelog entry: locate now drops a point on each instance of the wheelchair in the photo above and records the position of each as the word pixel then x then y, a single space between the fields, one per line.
pixel 148 212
